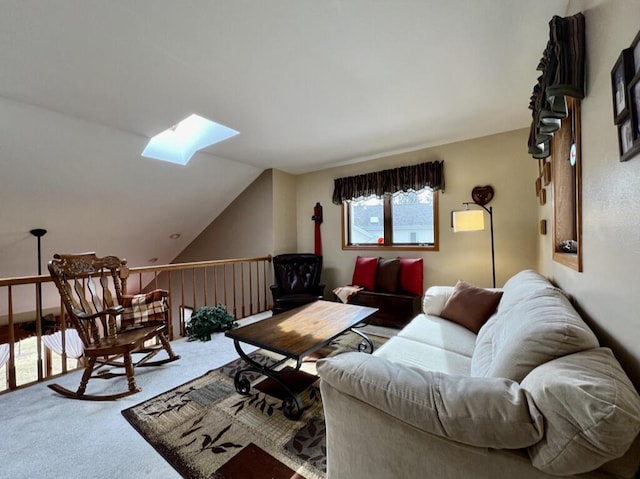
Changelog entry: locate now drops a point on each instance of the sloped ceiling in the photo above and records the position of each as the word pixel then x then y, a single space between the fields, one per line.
pixel 309 84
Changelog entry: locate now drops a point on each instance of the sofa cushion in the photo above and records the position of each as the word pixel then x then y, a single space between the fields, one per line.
pixel 523 285
pixel 470 306
pixel 424 356
pixel 487 412
pixel 541 327
pixel 435 298
pixel 591 410
pixel 387 275
pixel 411 275
pixel 364 273
pixel 625 466
pixel 441 333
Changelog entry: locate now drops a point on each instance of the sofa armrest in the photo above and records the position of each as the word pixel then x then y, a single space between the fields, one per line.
pixel 484 412
pixel 435 298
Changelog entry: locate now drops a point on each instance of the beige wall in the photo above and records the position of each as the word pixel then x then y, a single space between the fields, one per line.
pixel 606 290
pixel 499 160
pixel 261 221
pixel 244 229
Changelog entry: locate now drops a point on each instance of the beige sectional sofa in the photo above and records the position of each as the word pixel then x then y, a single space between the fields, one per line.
pixel 532 395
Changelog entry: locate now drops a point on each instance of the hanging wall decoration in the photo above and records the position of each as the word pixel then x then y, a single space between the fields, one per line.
pixel 625 94
pixel 562 68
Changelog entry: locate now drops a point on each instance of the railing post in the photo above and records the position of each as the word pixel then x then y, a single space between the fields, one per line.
pixel 63 328
pixel 170 306
pixel 205 286
pixel 193 287
pixel 12 343
pixel 233 289
pixel 182 305
pixel 215 285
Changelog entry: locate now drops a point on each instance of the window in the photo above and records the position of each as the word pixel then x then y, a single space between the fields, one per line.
pixel 180 142
pixel 404 220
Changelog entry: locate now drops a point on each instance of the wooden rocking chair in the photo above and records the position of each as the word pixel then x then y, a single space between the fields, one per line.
pixel 111 324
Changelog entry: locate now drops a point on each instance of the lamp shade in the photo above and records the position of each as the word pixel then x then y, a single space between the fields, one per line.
pixel 468 220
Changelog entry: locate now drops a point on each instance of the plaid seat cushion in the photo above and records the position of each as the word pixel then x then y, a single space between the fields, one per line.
pixel 142 308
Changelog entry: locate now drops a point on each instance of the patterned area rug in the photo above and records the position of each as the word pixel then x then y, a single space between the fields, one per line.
pixel 204 428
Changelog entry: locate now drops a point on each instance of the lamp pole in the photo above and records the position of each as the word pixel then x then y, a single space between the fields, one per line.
pixel 481 196
pixel 493 255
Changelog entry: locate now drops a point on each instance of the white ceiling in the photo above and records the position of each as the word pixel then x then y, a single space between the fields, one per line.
pixel 309 84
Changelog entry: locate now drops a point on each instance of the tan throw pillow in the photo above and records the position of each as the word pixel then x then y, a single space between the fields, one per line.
pixel 470 306
pixel 591 410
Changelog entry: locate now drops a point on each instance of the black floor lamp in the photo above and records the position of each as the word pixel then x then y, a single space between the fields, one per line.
pixel 39 233
pixel 473 220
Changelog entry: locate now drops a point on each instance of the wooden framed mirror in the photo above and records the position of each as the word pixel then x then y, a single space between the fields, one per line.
pixel 567 195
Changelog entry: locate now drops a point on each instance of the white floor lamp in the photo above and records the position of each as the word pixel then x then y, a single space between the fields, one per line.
pixel 473 220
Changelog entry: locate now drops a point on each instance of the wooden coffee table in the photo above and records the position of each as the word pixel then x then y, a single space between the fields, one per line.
pixel 296 334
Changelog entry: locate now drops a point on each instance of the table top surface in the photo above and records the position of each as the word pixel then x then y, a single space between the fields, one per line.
pixel 301 331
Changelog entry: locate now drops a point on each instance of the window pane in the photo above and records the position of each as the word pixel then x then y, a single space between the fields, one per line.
pixel 412 217
pixel 366 221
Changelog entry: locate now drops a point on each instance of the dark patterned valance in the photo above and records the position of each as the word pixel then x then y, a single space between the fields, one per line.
pixel 563 74
pixel 405 178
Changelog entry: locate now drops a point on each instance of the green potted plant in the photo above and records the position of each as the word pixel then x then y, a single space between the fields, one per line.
pixel 207 320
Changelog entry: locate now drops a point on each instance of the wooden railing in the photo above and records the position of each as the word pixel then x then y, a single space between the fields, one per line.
pixel 242 285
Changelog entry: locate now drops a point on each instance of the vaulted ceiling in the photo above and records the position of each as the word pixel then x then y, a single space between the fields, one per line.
pixel 309 84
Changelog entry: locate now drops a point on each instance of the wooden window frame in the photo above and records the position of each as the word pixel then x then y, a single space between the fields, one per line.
pixel 387 231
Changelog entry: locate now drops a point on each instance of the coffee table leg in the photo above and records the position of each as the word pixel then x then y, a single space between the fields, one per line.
pixel 367 344
pixel 291 404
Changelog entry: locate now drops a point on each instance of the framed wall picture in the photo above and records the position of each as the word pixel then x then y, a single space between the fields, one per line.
pixel 543 197
pixel 629 145
pixel 546 173
pixel 635 47
pixel 634 107
pixel 625 136
pixel 620 76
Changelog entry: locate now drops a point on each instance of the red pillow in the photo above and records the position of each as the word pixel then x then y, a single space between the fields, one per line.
pixel 364 274
pixel 411 275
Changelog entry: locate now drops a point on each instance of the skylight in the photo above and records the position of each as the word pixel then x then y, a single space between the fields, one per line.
pixel 181 141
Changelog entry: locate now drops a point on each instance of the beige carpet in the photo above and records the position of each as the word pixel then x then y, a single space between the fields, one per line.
pixel 204 428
